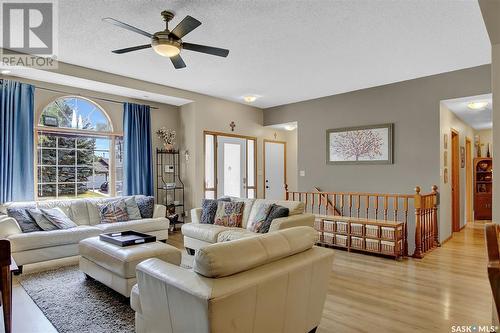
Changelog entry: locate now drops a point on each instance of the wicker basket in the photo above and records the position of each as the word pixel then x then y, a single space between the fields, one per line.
pixel 372 231
pixel 341 240
pixel 387 247
pixel 328 226
pixel 341 227
pixel 357 243
pixel 328 238
pixel 372 245
pixel 318 225
pixel 357 229
pixel 388 232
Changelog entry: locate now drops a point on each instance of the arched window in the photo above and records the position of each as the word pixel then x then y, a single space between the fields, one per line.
pixel 78 154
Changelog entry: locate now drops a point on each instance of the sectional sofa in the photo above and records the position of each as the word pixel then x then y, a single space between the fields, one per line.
pixel 198 235
pixel 33 247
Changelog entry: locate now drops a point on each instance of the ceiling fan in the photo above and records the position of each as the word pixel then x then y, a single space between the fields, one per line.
pixel 169 43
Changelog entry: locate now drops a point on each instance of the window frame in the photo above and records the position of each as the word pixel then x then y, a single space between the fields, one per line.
pixel 214 189
pixel 111 135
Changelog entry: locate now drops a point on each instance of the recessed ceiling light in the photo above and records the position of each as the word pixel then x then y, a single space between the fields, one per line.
pixel 5 71
pixel 249 98
pixel 477 105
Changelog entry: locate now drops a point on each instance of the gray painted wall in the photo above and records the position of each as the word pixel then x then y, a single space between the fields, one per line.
pixel 413 106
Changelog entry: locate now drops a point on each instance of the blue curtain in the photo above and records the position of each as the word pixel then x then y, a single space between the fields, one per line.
pixel 137 152
pixel 16 141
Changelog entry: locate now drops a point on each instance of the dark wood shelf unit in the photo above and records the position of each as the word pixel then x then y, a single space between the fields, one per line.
pixel 483 188
pixel 169 195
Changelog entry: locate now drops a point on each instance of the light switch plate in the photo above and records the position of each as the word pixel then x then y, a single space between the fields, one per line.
pixel 302 173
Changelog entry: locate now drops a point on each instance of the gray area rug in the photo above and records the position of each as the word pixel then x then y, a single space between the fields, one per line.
pixel 73 303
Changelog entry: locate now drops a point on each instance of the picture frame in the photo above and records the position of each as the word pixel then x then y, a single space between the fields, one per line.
pixel 370 144
pixel 50 121
pixel 445 175
pixel 445 141
pixel 445 158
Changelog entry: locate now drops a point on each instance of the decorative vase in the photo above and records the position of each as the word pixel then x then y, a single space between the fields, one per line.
pixel 168 146
pixel 488 154
pixel 483 166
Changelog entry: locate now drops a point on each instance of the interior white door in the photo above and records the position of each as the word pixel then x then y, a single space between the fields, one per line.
pixel 274 170
pixel 231 167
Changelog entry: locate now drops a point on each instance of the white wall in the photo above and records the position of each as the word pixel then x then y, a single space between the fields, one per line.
pixel 449 121
pixel 486 137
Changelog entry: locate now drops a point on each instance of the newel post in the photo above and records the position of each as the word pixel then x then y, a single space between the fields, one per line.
pixel 418 232
pixel 435 205
pixel 286 192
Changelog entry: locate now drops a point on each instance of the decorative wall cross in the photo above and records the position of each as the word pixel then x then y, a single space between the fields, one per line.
pixel 232 125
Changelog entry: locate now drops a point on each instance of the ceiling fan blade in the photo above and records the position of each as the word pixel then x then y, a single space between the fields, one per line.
pixel 127 26
pixel 187 25
pixel 178 62
pixel 206 49
pixel 133 48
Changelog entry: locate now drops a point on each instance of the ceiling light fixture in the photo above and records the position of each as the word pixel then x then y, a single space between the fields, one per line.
pixel 477 105
pixel 166 48
pixel 290 127
pixel 250 98
pixel 5 71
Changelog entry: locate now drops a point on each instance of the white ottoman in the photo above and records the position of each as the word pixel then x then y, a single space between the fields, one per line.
pixel 114 266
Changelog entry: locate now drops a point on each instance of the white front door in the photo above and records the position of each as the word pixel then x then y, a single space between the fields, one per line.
pixel 231 167
pixel 274 169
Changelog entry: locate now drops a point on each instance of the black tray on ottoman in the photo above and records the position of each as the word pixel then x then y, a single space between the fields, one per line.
pixel 127 238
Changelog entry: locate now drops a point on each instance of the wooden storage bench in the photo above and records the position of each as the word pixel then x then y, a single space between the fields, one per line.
pixel 373 236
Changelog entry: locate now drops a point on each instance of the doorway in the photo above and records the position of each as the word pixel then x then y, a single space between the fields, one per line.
pixel 455 181
pixel 468 180
pixel 231 173
pixel 230 165
pixel 274 170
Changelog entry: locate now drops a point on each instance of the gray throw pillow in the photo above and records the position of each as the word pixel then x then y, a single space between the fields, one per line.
pixel 276 211
pixel 24 219
pixel 132 209
pixel 57 217
pixel 40 219
pixel 146 206
pixel 209 209
pixel 113 211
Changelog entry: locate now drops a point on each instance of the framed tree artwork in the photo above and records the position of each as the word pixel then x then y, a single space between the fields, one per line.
pixel 371 144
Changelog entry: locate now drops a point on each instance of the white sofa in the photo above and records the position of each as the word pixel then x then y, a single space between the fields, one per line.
pixel 32 247
pixel 198 235
pixel 275 282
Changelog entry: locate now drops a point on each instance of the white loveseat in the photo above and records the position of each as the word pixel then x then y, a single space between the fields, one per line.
pixel 198 235
pixel 275 282
pixel 32 247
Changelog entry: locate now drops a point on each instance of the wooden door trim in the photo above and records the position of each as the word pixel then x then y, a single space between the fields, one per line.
pixel 264 161
pixel 468 181
pixel 455 180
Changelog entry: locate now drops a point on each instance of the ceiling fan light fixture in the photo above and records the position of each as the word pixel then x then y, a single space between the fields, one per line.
pixel 477 105
pixel 167 50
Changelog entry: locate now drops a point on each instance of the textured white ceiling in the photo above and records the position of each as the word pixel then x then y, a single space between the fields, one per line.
pixel 477 119
pixel 283 51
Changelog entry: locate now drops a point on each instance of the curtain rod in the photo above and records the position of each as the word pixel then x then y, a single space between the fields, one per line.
pixel 91 97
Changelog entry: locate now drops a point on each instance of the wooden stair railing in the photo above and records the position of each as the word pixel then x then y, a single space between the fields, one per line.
pixel 381 206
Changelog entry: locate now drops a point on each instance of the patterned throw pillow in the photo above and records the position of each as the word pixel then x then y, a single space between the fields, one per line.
pixel 132 209
pixel 229 214
pixel 24 219
pixel 41 220
pixel 260 216
pixel 146 206
pixel 58 218
pixel 113 211
pixel 209 208
pixel 276 211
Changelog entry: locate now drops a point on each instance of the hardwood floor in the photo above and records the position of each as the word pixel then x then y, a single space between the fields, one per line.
pixel 371 294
